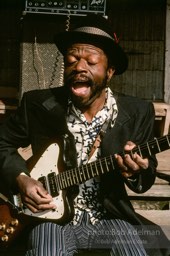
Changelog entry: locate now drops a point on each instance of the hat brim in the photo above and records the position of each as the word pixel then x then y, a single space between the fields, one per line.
pixel 115 53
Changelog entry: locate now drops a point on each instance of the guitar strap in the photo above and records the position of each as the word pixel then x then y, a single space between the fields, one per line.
pixel 99 137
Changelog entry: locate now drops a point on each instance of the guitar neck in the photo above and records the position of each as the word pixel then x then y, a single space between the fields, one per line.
pixel 153 147
pixel 85 172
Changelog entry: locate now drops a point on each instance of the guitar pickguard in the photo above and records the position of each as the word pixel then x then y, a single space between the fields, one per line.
pixel 46 169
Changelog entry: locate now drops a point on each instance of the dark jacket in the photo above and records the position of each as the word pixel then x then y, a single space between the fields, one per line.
pixel 40 120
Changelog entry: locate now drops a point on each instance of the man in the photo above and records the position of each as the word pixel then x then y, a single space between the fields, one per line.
pixel 90 122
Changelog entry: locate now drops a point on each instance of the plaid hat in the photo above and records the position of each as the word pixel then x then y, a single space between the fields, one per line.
pixel 95 30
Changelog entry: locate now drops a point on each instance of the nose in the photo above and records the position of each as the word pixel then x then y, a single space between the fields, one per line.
pixel 81 65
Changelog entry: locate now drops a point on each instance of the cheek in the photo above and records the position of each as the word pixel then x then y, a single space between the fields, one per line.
pixel 100 74
pixel 67 72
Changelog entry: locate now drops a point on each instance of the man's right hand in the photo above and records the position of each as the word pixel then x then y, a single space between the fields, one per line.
pixel 33 194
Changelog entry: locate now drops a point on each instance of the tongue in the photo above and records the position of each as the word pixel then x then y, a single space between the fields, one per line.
pixel 80 89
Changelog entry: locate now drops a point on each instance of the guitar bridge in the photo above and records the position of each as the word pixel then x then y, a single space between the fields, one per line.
pixel 17 203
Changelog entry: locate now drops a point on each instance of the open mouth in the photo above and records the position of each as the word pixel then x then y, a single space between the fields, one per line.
pixel 80 88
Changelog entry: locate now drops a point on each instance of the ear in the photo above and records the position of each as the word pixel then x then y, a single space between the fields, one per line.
pixel 110 73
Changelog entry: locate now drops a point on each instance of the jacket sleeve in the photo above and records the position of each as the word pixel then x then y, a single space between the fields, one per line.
pixel 141 182
pixel 135 122
pixel 14 133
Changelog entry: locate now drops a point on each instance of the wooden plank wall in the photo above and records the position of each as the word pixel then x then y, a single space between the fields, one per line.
pixel 140 25
pixel 10 11
pixel 167 55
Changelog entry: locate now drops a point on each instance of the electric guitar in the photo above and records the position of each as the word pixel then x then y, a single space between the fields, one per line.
pixel 56 180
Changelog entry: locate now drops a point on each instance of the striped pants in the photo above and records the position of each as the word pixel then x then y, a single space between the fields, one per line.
pixel 48 239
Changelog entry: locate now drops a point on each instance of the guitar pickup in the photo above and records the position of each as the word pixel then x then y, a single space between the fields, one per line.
pixel 43 180
pixel 52 184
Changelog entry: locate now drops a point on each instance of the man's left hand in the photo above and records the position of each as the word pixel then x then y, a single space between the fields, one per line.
pixel 131 164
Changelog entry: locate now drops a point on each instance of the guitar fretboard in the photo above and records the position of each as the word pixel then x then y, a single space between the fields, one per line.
pixel 81 174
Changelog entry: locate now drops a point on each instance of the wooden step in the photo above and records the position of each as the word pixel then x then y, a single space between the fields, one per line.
pixel 159 217
pixel 157 191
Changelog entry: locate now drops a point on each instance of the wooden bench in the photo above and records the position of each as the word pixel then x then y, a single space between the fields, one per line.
pixel 162 118
pixel 156 198
pixel 7 106
pixel 155 203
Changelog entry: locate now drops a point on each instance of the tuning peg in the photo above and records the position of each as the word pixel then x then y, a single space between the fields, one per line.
pixel 14 222
pixel 4 238
pixel 10 230
pixel 2 226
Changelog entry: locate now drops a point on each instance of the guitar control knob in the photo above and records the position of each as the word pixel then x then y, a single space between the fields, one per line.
pixel 10 230
pixel 14 222
pixel 2 226
pixel 4 238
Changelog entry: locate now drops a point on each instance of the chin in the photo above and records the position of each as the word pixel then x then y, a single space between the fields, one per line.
pixel 81 103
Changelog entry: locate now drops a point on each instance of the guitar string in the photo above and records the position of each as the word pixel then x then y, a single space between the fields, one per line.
pixel 85 170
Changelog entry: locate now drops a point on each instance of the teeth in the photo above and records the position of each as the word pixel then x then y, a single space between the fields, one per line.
pixel 81 81
pixel 80 84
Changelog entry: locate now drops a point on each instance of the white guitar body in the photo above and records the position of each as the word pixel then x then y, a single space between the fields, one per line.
pixel 48 164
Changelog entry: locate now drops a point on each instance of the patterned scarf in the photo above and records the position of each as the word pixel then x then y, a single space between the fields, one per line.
pixel 85 134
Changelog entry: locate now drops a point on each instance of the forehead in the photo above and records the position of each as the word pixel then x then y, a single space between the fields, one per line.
pixel 84 48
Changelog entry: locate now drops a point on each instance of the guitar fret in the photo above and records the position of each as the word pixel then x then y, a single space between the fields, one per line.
pixel 148 149
pixel 69 179
pixel 167 138
pixel 164 143
pixel 83 172
pixel 91 169
pixel 139 150
pixel 58 182
pixel 72 178
pixel 76 180
pixel 72 182
pixel 80 175
pixel 73 175
pixel 95 163
pixel 62 181
pixel 106 163
pixel 158 144
pixel 76 176
pixel 65 179
pixel 71 172
pixel 102 171
pixel 87 169
pixel 131 153
pixel 113 166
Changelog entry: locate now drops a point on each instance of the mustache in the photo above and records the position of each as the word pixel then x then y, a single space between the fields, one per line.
pixel 74 78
